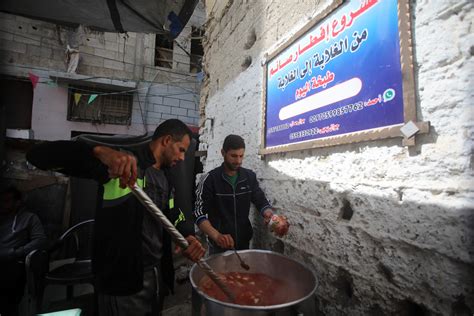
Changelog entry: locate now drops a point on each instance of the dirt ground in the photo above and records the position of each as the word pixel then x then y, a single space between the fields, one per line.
pixel 178 304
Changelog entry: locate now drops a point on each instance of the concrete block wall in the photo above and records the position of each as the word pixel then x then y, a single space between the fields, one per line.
pixel 39 47
pixel 165 102
pixel 388 230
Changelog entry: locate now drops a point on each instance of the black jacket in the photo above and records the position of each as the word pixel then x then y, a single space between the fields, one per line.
pixel 228 209
pixel 117 258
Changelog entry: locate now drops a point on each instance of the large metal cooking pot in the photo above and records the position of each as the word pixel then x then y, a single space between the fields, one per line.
pixel 301 284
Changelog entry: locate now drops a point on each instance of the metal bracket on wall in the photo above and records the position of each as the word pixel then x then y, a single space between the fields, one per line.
pixel 411 129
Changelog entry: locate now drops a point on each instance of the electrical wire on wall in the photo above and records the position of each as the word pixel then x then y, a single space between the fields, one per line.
pixel 47 80
pixel 88 92
pixel 187 78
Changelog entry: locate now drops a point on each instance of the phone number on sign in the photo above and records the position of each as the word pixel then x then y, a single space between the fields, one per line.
pixel 315 131
pixel 337 112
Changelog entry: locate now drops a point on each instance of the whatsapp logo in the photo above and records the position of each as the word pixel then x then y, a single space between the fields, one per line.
pixel 388 95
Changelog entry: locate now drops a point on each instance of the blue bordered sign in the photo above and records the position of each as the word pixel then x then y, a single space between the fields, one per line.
pixel 342 79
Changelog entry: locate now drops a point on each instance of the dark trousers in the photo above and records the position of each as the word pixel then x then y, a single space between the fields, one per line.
pixel 12 285
pixel 147 302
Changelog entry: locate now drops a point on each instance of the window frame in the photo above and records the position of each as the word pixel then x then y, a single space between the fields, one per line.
pixel 102 96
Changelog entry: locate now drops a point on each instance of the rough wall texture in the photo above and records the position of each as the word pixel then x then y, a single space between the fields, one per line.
pixel 159 93
pixel 386 229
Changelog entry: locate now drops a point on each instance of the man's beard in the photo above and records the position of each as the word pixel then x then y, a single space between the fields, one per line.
pixel 167 165
pixel 232 166
pixel 167 161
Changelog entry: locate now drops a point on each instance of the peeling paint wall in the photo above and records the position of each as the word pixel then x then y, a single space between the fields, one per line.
pixel 387 229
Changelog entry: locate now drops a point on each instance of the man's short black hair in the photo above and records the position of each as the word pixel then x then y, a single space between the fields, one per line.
pixel 233 142
pixel 173 127
pixel 13 191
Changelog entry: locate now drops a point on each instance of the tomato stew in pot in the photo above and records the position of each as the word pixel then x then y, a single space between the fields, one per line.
pixel 254 289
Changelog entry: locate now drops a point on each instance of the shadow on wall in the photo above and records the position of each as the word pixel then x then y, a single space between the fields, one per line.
pixel 373 254
pixel 239 21
pixel 374 251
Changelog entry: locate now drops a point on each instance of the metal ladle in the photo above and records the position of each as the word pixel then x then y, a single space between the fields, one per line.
pixel 242 262
pixel 178 238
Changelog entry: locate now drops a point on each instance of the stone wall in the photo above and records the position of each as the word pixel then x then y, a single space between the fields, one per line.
pixel 387 229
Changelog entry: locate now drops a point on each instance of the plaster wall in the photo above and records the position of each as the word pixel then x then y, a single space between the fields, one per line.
pixel 387 229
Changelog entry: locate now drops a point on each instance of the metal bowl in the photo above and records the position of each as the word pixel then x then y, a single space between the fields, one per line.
pixel 300 280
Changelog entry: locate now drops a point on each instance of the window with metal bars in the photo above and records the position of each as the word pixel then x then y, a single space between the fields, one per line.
pixel 109 107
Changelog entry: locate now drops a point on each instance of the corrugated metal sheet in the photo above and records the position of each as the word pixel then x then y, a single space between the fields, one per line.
pixel 144 16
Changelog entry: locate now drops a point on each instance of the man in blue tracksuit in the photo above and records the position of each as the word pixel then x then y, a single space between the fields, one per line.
pixel 223 200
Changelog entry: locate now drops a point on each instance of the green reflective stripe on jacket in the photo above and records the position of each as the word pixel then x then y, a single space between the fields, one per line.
pixel 113 191
pixel 180 218
pixel 171 203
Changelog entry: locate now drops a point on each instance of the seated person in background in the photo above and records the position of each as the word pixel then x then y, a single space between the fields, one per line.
pixel 20 233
